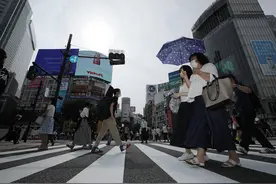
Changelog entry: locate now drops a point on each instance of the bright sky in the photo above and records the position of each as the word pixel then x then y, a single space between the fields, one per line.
pixel 140 27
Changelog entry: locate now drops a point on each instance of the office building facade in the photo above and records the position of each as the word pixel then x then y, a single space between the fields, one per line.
pixel 239 40
pixel 272 23
pixel 17 37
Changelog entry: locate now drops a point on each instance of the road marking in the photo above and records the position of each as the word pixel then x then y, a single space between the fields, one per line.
pixel 182 172
pixel 107 169
pixel 15 173
pixel 246 163
pixel 26 150
pixel 29 155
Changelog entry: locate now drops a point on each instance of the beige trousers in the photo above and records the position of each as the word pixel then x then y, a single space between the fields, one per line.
pixel 109 124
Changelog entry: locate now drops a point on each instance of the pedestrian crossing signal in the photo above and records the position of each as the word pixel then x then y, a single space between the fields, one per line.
pixel 116 58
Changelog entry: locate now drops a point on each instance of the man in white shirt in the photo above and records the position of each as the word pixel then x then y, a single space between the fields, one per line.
pixel 144 132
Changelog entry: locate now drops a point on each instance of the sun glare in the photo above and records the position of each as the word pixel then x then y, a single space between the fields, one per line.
pixel 98 35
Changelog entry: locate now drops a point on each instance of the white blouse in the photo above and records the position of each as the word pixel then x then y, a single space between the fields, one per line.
pixel 85 113
pixel 184 89
pixel 197 83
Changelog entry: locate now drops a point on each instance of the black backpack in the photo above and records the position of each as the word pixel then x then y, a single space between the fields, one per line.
pixel 103 108
pixel 255 101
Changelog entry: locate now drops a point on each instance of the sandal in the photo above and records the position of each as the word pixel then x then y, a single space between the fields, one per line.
pixel 231 163
pixel 195 161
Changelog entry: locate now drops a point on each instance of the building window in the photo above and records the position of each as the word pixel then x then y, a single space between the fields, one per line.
pixel 272 107
pixel 218 17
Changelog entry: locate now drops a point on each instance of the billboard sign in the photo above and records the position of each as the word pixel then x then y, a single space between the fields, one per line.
pixel 174 80
pixel 94 67
pixel 163 86
pixel 36 82
pixel 87 88
pixel 62 93
pixel 174 75
pixel 51 61
pixel 227 66
pixel 151 90
pixel 266 55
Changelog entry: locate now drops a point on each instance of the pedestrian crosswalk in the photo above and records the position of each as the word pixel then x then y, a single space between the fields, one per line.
pixel 141 163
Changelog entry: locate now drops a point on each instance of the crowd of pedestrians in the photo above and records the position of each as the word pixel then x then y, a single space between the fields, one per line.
pixel 202 128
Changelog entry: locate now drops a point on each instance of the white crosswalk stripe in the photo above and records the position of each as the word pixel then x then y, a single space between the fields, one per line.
pixel 142 163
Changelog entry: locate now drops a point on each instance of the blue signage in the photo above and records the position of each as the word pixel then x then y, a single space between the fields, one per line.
pixel 94 67
pixel 74 59
pixel 266 55
pixel 174 75
pixel 62 93
pixel 51 61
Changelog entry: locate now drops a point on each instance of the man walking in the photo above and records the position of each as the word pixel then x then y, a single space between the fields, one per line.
pixel 109 123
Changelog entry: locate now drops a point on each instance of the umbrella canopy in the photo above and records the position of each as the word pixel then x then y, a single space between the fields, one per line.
pixel 177 52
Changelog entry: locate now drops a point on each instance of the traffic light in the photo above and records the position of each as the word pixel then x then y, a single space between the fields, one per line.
pixel 32 73
pixel 116 58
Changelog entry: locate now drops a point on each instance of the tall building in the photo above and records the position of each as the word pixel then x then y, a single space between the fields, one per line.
pixel 239 40
pixel 272 22
pixel 17 36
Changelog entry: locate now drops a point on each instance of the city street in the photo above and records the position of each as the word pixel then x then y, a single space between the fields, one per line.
pixel 142 163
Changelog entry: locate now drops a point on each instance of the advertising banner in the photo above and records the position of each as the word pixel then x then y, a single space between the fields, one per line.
pixel 151 90
pixel 62 93
pixel 95 67
pixel 266 55
pixel 227 66
pixel 36 82
pixel 174 83
pixel 174 80
pixel 87 88
pixel 174 75
pixel 51 60
pixel 163 86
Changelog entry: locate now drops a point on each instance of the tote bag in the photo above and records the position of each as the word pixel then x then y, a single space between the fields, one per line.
pixel 39 120
pixel 218 93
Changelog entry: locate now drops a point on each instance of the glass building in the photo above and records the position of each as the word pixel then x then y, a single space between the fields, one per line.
pixel 17 37
pixel 239 40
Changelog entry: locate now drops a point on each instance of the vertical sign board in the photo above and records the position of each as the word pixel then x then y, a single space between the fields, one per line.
pixel 174 80
pixel 62 93
pixel 266 55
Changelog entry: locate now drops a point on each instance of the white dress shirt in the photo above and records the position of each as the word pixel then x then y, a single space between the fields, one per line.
pixel 51 111
pixel 197 82
pixel 184 89
pixel 84 113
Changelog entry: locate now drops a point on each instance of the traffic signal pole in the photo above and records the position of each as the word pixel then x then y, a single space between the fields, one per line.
pixel 26 133
pixel 66 55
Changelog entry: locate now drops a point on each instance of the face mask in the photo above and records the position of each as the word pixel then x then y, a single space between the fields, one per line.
pixel 194 63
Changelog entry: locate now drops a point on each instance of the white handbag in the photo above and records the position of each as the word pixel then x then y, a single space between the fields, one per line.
pixel 39 120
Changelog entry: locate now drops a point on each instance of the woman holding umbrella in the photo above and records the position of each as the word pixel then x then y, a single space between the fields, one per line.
pixel 207 125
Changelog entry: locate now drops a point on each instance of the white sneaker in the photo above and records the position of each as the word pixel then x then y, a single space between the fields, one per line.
pixel 186 156
pixel 242 150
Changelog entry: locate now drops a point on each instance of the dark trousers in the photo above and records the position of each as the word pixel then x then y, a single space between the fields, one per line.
pixel 144 135
pixel 250 130
pixel 51 139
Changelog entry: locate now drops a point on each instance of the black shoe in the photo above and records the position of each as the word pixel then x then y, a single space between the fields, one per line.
pixel 96 150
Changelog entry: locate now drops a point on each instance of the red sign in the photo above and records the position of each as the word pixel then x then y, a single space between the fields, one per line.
pixel 35 83
pixel 94 73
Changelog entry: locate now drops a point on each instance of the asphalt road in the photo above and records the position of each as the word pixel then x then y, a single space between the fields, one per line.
pixel 141 163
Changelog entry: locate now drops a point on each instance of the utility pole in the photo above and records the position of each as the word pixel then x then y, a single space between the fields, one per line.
pixel 66 55
pixel 33 110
